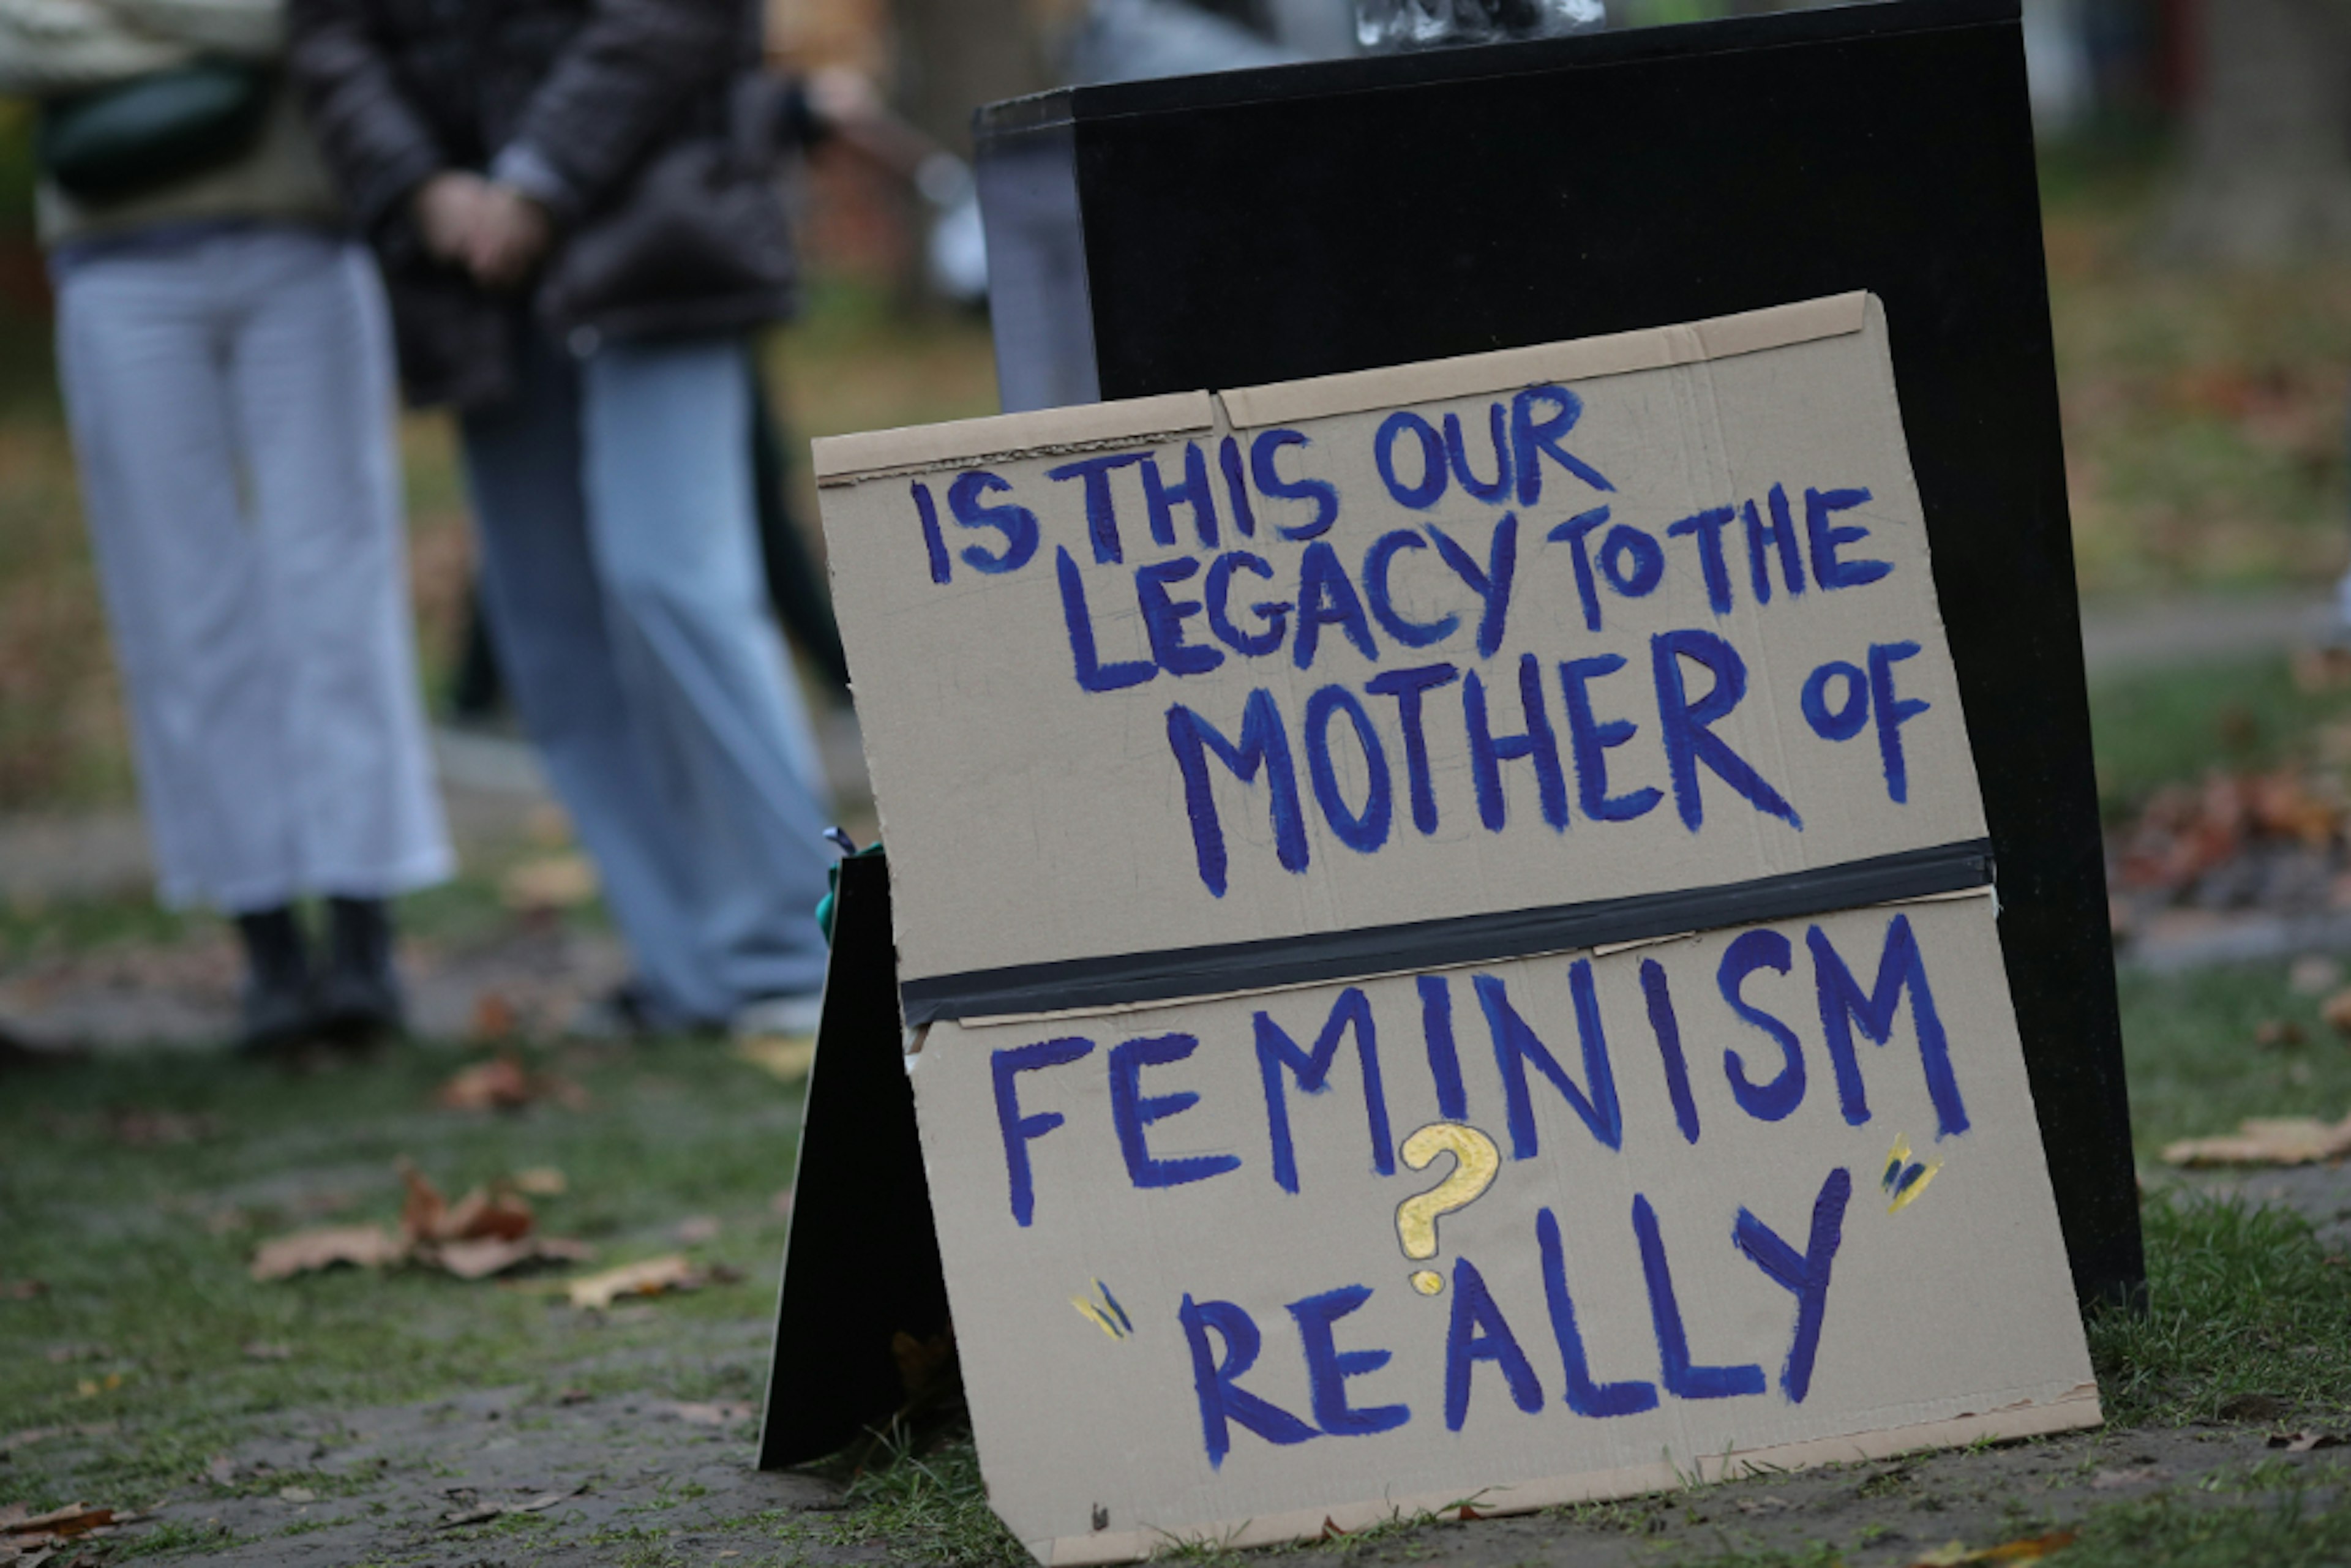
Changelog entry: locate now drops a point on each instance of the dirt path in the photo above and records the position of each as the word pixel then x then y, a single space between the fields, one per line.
pixel 504 1478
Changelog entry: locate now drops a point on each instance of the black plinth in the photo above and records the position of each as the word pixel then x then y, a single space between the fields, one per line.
pixel 1214 232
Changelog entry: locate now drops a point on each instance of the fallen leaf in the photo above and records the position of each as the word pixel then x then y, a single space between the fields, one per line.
pixel 2337 1011
pixel 426 1215
pixel 652 1277
pixel 2029 1549
pixel 921 1363
pixel 31 1435
pixel 786 1057
pixel 2278 1034
pixel 550 883
pixel 262 1350
pixel 363 1246
pixel 725 1413
pixel 2313 975
pixel 494 1017
pixel 2254 1407
pixel 574 1396
pixel 695 1230
pixel 541 1181
pixel 491 1255
pixel 489 1512
pixel 2267 1141
pixel 74 1519
pixel 2137 1475
pixel 2306 1442
pixel 296 1494
pixel 503 1083
pixel 222 1470
pixel 21 1290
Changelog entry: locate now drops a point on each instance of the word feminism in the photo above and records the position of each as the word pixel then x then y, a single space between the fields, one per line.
pixel 1203 610
pixel 1840 1001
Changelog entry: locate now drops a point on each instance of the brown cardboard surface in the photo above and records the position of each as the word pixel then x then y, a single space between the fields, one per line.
pixel 1944 1319
pixel 1033 820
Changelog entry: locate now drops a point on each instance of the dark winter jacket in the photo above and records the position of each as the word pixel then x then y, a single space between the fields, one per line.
pixel 642 125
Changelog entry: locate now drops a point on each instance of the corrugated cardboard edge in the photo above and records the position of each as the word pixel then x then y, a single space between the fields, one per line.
pixel 1584 358
pixel 845 459
pixel 2074 1409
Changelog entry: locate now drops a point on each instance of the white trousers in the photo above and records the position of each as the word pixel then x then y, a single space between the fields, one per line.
pixel 231 401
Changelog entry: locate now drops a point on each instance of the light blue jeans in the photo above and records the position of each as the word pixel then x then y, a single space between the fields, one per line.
pixel 230 389
pixel 621 572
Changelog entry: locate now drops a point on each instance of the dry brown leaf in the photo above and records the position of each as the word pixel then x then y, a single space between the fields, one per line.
pixel 2267 1141
pixel 2337 1011
pixel 31 1435
pixel 723 1413
pixel 74 1519
pixel 695 1230
pixel 2278 1034
pixel 786 1057
pixel 489 1512
pixel 550 883
pixel 2315 975
pixel 22 1290
pixel 2131 1475
pixel 541 1181
pixel 2031 1549
pixel 494 1017
pixel 652 1277
pixel 483 1213
pixel 482 1258
pixel 363 1246
pixel 422 1206
pixel 2306 1442
pixel 503 1083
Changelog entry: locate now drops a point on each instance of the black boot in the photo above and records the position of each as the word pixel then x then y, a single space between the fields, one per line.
pixel 358 996
pixel 276 1002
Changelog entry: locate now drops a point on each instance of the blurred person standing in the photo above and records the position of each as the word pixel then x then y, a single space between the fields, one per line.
pixel 575 209
pixel 227 364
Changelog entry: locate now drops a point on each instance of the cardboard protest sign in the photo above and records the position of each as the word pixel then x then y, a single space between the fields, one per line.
pixel 1450 909
pixel 1770 1196
pixel 1151 688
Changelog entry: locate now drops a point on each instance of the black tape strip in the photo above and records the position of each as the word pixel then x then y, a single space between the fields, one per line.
pixel 1431 943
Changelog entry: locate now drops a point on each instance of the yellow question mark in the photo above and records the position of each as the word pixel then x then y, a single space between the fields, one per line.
pixel 1476 1161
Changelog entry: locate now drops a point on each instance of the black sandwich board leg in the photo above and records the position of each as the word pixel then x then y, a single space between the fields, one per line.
pixel 861 1258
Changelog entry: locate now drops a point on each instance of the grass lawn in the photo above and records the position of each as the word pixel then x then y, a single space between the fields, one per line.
pixel 2204 421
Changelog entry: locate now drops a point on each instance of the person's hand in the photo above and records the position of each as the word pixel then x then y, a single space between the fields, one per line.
pixel 509 234
pixel 447 209
pixel 843 99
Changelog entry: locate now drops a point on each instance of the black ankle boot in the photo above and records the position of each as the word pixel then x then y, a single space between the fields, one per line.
pixel 358 996
pixel 277 1001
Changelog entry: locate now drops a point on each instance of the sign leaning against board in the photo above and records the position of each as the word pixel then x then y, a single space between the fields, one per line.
pixel 1448 914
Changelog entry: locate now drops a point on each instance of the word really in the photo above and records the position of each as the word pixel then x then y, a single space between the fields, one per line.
pixel 1225 1342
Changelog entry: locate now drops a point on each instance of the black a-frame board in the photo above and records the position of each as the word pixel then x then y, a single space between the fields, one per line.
pixel 862 1259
